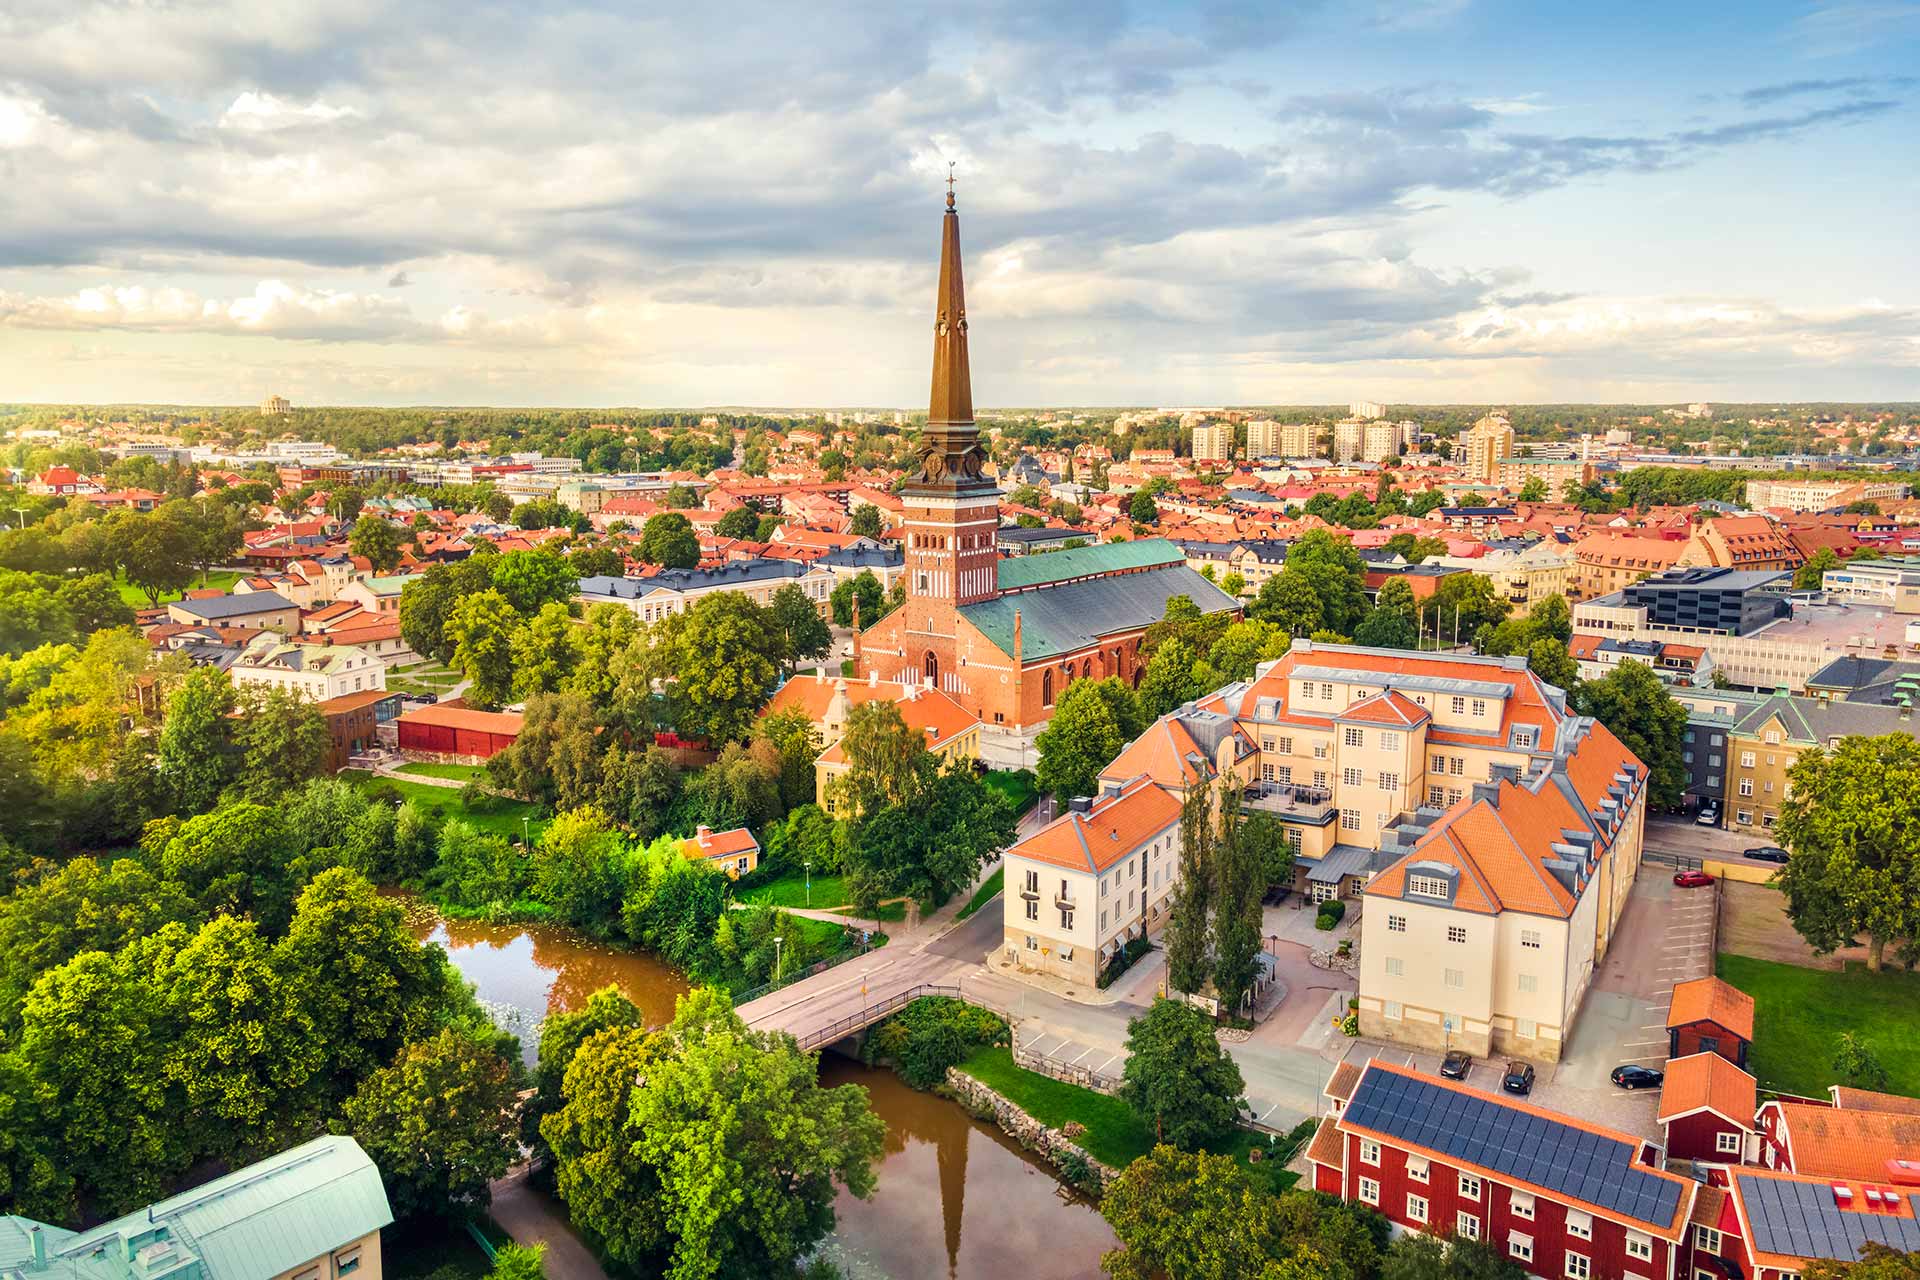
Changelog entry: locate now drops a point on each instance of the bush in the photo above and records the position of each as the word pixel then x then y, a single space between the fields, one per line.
pixel 1077 1172
pixel 476 798
pixel 930 1035
pixel 1123 959
pixel 1331 913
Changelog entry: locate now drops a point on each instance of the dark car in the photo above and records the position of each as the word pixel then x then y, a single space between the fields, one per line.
pixel 1632 1077
pixel 1768 853
pixel 1692 879
pixel 1456 1064
pixel 1518 1079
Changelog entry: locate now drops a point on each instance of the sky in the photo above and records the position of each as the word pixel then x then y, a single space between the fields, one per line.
pixel 586 204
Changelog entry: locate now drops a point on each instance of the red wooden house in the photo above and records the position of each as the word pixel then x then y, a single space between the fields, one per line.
pixel 1707 1105
pixel 452 729
pixel 1710 1016
pixel 1558 1196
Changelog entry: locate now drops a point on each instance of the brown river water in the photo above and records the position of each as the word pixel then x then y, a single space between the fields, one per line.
pixel 956 1199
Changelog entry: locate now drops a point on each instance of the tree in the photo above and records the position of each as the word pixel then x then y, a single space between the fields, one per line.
pixel 158 551
pixel 439 1123
pixel 1079 741
pixel 668 540
pixel 1186 933
pixel 282 741
pixel 1876 1262
pixel 33 1182
pixel 1851 820
pixel 575 869
pixel 196 755
pixel 234 861
pixel 742 522
pixel 1243 646
pixel 931 844
pixel 1812 572
pixel 1392 622
pixel 1548 658
pixel 1631 701
pixel 884 757
pixel 1534 490
pixel 596 562
pixel 1240 882
pixel 498 506
pixel 428 600
pixel 865 587
pixel 1855 1062
pixel 803 633
pixel 1170 680
pixel 750 1149
pixel 1142 508
pixel 1289 602
pixel 1552 619
pixel 562 1034
pixel 721 658
pixel 792 735
pixel 531 580
pixel 84 905
pixel 94 603
pixel 1419 1256
pixel 378 540
pixel 245 1049
pixel 600 645
pixel 1266 836
pixel 544 651
pixel 867 521
pixel 1177 1077
pixel 481 629
pixel 1461 605
pixel 1330 566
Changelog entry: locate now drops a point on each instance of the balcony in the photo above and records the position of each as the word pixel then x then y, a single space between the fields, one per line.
pixel 1291 801
pixel 1064 903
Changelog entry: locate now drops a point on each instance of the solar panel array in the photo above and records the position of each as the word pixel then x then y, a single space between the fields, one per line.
pixel 1478 1129
pixel 1801 1219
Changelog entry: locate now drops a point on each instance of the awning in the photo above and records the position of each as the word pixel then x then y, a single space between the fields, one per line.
pixel 1341 861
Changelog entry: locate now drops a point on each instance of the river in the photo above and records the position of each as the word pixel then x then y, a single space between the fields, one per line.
pixel 955 1198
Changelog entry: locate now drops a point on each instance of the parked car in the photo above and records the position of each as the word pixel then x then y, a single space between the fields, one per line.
pixel 1518 1079
pixel 1633 1077
pixel 1768 853
pixel 1456 1064
pixel 1695 879
pixel 1709 816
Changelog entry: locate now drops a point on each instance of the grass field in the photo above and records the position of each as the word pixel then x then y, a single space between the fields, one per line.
pixel 422 677
pixel 1115 1136
pixel 829 892
pixel 218 580
pixel 457 772
pixel 446 803
pixel 1800 1013
pixel 1017 787
pixel 985 893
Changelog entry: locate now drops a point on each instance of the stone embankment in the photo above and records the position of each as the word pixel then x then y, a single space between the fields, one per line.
pixel 1051 1145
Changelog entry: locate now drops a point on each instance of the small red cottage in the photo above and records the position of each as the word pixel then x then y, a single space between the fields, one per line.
pixel 1707 1105
pixel 1710 1016
pixel 454 729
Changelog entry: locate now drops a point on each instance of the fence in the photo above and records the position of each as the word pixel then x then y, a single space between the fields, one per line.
pixel 843 1027
pixel 818 966
pixel 1067 1072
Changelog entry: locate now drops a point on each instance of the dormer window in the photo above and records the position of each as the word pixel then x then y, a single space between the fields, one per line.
pixel 1427 886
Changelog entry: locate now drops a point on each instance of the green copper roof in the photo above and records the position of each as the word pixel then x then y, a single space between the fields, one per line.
pixel 254 1223
pixel 1078 562
pixel 1075 615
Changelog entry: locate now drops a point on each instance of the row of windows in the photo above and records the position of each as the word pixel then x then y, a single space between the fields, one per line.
pixel 1468 1225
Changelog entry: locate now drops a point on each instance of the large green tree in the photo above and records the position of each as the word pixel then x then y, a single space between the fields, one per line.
pixel 1631 701
pixel 864 587
pixel 1240 883
pixel 1080 740
pixel 719 660
pixel 1851 820
pixel 1188 943
pixel 378 540
pixel 1419 1256
pixel 481 629
pixel 668 540
pixel 545 652
pixel 884 757
pixel 1461 605
pixel 1177 1077
pixel 197 756
pixel 803 632
pixel 282 741
pixel 439 1123
pixel 531 580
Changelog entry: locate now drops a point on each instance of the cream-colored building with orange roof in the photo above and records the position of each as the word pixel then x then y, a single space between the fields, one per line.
pixel 1486 934
pixel 1359 749
pixel 951 731
pixel 1092 880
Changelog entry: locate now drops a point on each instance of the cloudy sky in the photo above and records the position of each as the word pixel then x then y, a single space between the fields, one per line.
pixel 501 202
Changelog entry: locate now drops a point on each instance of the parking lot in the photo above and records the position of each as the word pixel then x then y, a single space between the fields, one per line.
pixel 1665 937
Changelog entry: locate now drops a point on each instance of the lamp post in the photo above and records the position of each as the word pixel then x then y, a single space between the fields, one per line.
pixel 22 513
pixel 776 957
pixel 524 837
pixel 809 867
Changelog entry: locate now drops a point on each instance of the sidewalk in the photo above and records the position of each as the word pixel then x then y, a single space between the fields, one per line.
pixel 532 1218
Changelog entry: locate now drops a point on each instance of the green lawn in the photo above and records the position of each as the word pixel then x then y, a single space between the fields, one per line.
pixel 985 893
pixel 458 772
pixel 422 677
pixel 218 580
pixel 1114 1136
pixel 446 802
pixel 1017 786
pixel 791 891
pixel 1799 1013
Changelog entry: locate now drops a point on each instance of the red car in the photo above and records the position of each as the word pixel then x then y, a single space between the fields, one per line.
pixel 1692 879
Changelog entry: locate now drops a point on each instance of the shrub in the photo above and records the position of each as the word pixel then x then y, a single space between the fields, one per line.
pixel 1330 914
pixel 930 1035
pixel 1077 1172
pixel 475 798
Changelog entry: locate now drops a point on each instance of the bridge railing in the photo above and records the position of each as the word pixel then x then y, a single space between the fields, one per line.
pixel 870 1014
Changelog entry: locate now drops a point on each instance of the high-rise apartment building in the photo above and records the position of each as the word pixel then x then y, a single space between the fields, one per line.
pixel 1213 443
pixel 1347 440
pixel 1367 409
pixel 1483 446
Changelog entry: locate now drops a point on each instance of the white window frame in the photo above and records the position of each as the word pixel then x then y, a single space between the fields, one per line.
pixel 1707 1239
pixel 1530 939
pixel 1354 737
pixel 1519 1247
pixel 1466 1225
pixel 1470 1187
pixel 1396 967
pixel 1457 933
pixel 1455 978
pixel 1639 1246
pixel 1579 1266
pixel 1369 1192
pixel 1418 1169
pixel 1427 886
pixel 1579 1224
pixel 1727 1144
pixel 1369 1152
pixel 1520 1204
pixel 1417 1208
pixel 1396 924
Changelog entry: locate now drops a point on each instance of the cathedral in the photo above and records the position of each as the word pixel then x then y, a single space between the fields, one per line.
pixel 1005 638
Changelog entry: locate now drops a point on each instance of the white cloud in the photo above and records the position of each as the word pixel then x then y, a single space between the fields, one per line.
pixel 254 112
pixel 273 309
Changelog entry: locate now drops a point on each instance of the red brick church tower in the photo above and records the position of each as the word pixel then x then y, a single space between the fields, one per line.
pixel 953 508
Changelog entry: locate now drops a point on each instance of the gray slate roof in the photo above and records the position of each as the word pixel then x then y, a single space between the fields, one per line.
pixel 1062 619
pixel 214 608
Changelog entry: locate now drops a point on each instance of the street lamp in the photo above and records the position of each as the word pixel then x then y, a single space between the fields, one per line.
pixel 809 867
pixel 22 513
pixel 776 957
pixel 524 837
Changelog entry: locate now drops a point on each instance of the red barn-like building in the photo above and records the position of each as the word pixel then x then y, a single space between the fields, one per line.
pixel 1707 1105
pixel 1707 1015
pixel 453 729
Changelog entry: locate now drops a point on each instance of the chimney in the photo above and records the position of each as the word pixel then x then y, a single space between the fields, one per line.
pixel 701 832
pixel 1488 791
pixel 39 1247
pixel 1080 804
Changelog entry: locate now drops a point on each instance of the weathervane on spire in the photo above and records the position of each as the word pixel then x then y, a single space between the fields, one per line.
pixel 950 165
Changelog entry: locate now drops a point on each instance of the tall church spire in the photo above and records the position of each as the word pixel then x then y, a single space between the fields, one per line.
pixel 951 460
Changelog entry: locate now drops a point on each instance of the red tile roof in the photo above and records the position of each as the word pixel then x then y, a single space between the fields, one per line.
pixel 1712 1000
pixel 718 844
pixel 1707 1082
pixel 1113 829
